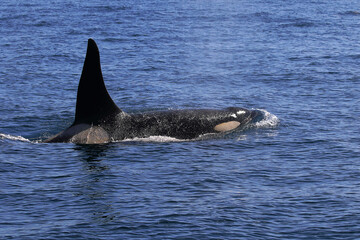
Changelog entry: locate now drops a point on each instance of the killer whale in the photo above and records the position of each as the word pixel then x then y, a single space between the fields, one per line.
pixel 99 120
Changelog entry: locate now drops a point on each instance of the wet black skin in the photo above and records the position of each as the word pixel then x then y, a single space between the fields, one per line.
pixel 99 120
pixel 180 124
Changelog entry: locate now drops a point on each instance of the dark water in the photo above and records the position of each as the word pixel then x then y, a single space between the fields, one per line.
pixel 297 179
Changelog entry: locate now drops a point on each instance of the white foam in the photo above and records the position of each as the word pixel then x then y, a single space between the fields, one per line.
pixel 242 137
pixel 14 138
pixel 240 112
pixel 153 139
pixel 269 120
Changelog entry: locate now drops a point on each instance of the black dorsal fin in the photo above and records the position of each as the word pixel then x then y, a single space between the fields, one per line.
pixel 94 103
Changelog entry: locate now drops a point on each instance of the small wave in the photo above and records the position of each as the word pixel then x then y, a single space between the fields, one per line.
pixel 269 120
pixel 300 24
pixel 13 138
pixel 351 13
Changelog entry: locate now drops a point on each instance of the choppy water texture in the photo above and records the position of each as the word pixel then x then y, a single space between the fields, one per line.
pixel 299 179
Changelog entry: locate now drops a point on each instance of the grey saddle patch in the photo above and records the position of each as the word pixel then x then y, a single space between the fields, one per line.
pixel 83 134
pixel 87 134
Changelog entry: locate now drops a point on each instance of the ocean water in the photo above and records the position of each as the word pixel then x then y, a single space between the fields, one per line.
pixel 294 176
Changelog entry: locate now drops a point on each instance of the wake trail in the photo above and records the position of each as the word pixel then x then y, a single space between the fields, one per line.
pixel 13 138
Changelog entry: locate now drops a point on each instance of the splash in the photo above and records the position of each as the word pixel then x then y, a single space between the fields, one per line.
pixel 13 138
pixel 269 120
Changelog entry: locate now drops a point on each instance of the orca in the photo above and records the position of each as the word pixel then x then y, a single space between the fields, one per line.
pixel 99 120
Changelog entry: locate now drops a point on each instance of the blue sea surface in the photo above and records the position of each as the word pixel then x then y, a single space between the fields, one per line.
pixel 295 176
